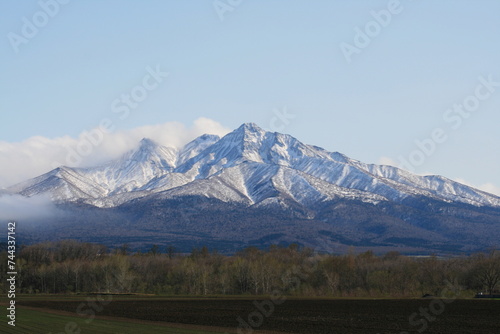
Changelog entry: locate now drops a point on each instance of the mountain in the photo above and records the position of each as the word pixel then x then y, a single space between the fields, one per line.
pixel 253 187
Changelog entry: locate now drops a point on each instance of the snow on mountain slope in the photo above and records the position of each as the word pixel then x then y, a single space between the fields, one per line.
pixel 434 185
pixel 250 143
pixel 253 182
pixel 195 147
pixel 135 169
pixel 248 165
pixel 62 183
pixel 127 174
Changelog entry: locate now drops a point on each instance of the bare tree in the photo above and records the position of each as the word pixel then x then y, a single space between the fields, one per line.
pixel 488 272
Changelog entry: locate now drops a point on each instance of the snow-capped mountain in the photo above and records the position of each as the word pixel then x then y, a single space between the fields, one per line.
pixel 248 165
pixel 300 192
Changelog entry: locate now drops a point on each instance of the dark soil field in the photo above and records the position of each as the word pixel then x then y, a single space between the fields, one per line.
pixel 299 316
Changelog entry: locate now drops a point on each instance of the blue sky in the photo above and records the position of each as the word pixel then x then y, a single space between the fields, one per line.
pixel 252 60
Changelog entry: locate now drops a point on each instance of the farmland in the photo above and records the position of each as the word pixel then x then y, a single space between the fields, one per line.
pixel 285 315
pixel 35 321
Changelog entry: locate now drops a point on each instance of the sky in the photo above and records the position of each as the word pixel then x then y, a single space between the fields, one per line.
pixel 415 84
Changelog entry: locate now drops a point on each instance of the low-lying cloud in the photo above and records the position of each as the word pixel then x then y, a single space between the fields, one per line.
pixel 20 208
pixel 37 155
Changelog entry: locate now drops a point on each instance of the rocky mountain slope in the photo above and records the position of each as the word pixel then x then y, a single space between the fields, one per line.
pixel 300 193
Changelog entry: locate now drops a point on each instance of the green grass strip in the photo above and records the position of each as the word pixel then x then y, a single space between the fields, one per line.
pixel 30 321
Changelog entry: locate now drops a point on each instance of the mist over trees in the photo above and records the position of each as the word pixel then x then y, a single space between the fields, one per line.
pixel 75 267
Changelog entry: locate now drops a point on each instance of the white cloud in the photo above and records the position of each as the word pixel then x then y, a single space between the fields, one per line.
pixel 488 187
pixel 491 188
pixel 17 207
pixel 38 155
pixel 387 161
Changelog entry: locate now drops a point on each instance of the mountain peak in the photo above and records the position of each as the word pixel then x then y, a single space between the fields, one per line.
pixel 250 134
pixel 208 136
pixel 209 155
pixel 303 191
pixel 149 151
pixel 196 146
pixel 250 127
pixel 144 151
pixel 146 142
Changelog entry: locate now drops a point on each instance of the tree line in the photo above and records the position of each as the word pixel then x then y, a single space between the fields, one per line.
pixel 74 267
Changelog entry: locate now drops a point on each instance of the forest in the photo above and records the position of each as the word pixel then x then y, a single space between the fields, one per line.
pixel 74 267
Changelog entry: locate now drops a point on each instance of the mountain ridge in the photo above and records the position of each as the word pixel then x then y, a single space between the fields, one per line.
pixel 254 186
pixel 154 168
